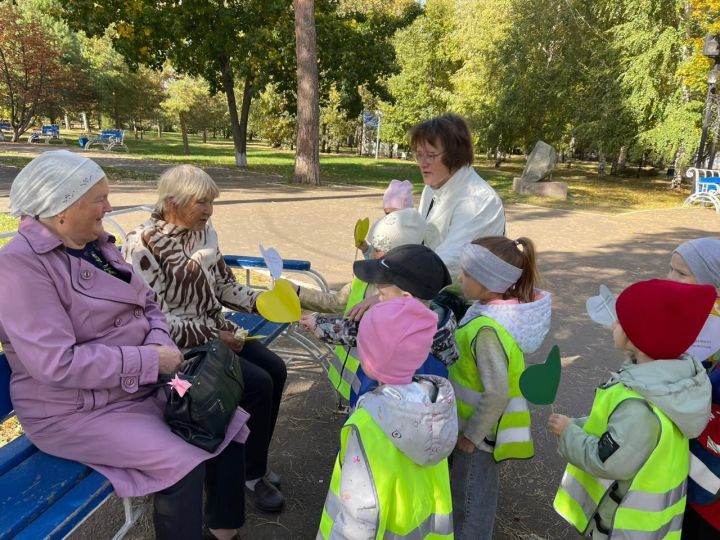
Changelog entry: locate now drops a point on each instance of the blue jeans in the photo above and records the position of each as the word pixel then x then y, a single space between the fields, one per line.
pixel 474 480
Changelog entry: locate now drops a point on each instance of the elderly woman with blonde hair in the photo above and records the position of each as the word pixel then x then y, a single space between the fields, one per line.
pixel 86 343
pixel 177 253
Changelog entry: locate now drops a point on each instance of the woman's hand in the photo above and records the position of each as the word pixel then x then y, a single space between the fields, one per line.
pixel 356 313
pixel 465 445
pixel 229 339
pixel 558 423
pixel 309 322
pixel 169 359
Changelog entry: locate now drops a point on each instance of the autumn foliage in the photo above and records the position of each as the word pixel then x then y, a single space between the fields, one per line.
pixel 30 68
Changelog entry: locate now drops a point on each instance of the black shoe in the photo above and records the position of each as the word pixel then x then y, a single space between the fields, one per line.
pixel 274 479
pixel 267 497
pixel 208 535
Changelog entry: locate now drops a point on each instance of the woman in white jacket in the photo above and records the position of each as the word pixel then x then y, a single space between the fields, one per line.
pixel 457 204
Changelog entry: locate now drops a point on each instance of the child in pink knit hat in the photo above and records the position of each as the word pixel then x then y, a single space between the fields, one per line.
pixel 391 476
pixel 398 195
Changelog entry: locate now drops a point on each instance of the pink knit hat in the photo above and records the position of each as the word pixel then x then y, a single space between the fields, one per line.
pixel 394 339
pixel 398 195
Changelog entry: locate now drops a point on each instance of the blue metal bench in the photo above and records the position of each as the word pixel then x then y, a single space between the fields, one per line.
pixel 50 133
pixel 6 130
pixel 108 139
pixel 706 187
pixel 42 496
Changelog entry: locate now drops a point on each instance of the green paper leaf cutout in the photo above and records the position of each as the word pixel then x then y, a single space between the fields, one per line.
pixel 361 230
pixel 539 383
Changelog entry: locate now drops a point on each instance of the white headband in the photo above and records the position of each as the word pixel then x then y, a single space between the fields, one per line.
pixel 488 269
pixel 51 182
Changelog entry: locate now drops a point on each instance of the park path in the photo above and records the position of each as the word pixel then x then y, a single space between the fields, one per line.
pixel 577 252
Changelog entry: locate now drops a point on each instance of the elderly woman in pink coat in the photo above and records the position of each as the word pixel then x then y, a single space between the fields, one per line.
pixel 85 341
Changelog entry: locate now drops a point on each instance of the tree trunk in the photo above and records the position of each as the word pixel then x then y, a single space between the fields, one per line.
pixel 86 126
pixel 245 114
pixel 238 135
pixel 601 165
pixel 183 130
pixel 307 156
pixel 622 158
pixel 67 121
pixel 677 177
pixel 159 131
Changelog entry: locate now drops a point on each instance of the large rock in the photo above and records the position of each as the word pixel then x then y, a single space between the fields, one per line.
pixel 540 162
pixel 555 190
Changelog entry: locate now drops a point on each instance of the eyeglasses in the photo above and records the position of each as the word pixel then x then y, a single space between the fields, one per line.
pixel 427 158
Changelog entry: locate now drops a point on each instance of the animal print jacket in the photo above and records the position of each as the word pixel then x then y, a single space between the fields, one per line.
pixel 187 272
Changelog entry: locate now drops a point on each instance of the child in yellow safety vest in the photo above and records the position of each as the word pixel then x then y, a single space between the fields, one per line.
pixel 391 475
pixel 509 317
pixel 629 459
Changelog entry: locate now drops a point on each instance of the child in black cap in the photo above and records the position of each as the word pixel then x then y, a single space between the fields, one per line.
pixel 412 271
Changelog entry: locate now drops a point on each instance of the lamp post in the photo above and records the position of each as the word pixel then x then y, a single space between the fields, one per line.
pixel 711 49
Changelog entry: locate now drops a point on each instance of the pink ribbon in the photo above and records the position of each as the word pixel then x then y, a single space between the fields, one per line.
pixel 179 385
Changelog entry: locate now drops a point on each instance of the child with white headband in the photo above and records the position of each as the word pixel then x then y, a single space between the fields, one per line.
pixel 509 317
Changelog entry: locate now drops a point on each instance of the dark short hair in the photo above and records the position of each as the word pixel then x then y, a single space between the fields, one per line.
pixel 453 133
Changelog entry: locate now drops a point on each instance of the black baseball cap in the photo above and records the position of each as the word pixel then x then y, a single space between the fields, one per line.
pixel 413 268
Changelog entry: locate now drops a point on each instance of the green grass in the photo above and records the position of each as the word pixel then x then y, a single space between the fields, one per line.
pixel 586 191
pixel 7 223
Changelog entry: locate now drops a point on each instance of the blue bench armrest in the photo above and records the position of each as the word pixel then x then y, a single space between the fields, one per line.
pixel 259 262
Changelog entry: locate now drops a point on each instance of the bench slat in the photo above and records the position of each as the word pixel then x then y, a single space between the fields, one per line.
pixel 33 486
pixel 271 330
pixel 70 509
pixel 259 262
pixel 15 452
pixel 247 320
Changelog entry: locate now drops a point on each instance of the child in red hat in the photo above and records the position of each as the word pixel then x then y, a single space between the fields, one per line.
pixel 629 459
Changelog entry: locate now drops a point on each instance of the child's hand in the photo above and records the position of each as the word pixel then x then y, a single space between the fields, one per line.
pixel 558 423
pixel 465 445
pixel 356 313
pixel 309 322
pixel 363 246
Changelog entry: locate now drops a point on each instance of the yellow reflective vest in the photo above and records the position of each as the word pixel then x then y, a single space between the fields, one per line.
pixel 512 433
pixel 344 365
pixel 654 504
pixel 414 502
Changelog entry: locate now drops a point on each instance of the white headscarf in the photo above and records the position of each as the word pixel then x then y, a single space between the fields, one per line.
pixel 51 182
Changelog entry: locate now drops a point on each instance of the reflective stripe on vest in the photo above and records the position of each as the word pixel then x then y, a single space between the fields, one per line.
pixel 414 502
pixel 344 365
pixel 654 504
pixel 513 439
pixel 703 476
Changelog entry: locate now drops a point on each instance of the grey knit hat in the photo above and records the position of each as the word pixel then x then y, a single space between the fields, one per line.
pixel 702 256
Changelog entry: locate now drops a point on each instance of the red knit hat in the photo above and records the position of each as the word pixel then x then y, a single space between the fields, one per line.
pixel 663 318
